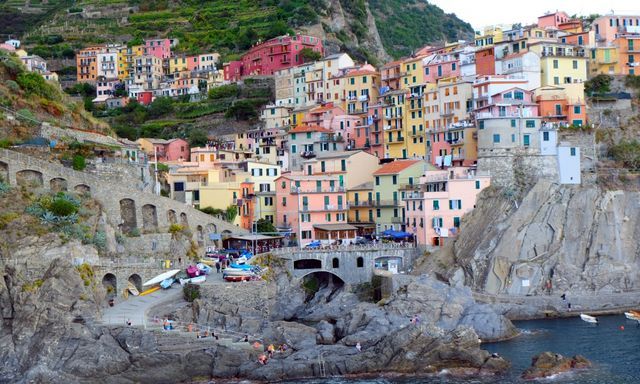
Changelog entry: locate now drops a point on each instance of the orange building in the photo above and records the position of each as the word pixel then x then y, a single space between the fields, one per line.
pixel 485 61
pixel 629 53
pixel 86 64
pixel 246 205
pixel 555 106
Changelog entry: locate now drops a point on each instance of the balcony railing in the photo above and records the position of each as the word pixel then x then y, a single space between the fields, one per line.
pixel 365 203
pixel 386 203
pixel 296 190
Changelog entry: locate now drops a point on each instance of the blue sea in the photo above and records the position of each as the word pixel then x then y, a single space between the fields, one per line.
pixel 614 352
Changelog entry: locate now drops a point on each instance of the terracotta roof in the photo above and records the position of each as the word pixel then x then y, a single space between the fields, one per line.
pixel 360 72
pixel 395 167
pixel 309 128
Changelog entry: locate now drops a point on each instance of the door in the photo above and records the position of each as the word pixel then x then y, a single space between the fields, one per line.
pixel 558 109
pixel 527 140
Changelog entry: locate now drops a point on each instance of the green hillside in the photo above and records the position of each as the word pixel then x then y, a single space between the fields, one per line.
pixel 54 28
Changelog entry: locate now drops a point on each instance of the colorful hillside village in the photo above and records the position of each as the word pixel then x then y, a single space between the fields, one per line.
pixel 348 150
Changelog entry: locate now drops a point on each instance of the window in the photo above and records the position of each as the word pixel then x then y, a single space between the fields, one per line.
pixel 481 124
pixel 456 222
pixel 455 204
pixel 545 136
pixel 377 180
pixel 496 138
pixel 556 80
pixel 364 79
pixel 293 136
pixel 394 179
pixel 576 109
pixel 518 95
pixel 572 151
pixel 436 205
pixel 575 64
pixel 343 165
pixel 268 201
pixel 530 124
pixel 378 212
pixel 477 184
pixel 527 140
pixel 513 123
pixel 513 137
pixel 360 262
pixel 308 135
pixel 577 123
pixel 294 149
pixel 284 201
pixel 327 217
pixel 555 64
pixel 283 185
pixel 631 58
pixel 306 234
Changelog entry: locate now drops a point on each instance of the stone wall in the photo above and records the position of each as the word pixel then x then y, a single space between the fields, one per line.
pixel 110 193
pixel 54 133
pixel 347 269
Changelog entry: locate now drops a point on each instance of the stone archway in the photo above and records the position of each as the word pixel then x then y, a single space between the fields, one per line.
pixel 110 284
pixel 29 178
pixel 4 172
pixel 171 217
pixel 82 188
pixel 58 184
pixel 136 280
pixel 128 215
pixel 183 220
pixel 149 217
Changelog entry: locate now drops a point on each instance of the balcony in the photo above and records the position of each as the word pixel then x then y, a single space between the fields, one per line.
pixel 386 203
pixel 297 190
pixel 396 140
pixel 356 204
pixel 363 98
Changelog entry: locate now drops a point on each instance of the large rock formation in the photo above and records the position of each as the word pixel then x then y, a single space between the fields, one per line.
pixel 560 238
pixel 548 364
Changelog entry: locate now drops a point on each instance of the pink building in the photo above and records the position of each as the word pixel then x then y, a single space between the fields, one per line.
pixel 312 207
pixel 272 55
pixel 435 209
pixel 553 19
pixel 160 48
pixel 176 150
pixel 440 66
pixel 609 28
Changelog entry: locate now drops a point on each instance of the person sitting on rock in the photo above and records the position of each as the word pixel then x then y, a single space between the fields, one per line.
pixel 271 349
pixel 283 348
pixel 246 338
pixel 359 347
pixel 262 359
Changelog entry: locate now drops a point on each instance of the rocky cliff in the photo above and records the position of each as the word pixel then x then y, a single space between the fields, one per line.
pixel 576 239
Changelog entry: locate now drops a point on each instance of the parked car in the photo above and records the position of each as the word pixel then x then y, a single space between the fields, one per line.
pixel 313 245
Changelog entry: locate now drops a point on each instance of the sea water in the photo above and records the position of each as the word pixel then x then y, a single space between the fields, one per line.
pixel 614 352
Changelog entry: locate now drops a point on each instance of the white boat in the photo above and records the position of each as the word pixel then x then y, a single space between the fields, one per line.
pixel 163 276
pixel 132 289
pixel 588 319
pixel 632 316
pixel 237 272
pixel 193 280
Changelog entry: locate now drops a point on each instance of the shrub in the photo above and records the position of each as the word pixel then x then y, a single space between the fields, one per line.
pixel 4 187
pixel 223 91
pixel 134 232
pixel 12 85
pixel 100 240
pixel 34 84
pixel 5 143
pixel 627 152
pixel 79 163
pixel 63 207
pixel 191 292
pixel 175 228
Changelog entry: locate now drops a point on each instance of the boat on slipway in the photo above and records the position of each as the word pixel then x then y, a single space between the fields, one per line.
pixel 588 319
pixel 161 277
pixel 194 280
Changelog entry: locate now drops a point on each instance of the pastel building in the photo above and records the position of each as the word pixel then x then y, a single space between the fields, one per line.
pixel 167 150
pixel 361 208
pixel 609 27
pixel 272 55
pixel 86 66
pixel 160 48
pixel 553 20
pixel 308 141
pixel 391 181
pixel 435 207
pixel 312 207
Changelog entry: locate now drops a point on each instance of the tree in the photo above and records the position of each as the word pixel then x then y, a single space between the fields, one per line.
pixel 264 225
pixel 309 54
pixel 627 152
pixel 198 138
pixel 232 212
pixel 599 84
pixel 79 163
pixel 160 106
pixel 242 110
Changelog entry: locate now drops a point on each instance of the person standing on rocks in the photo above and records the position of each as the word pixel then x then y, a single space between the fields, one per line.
pixel 359 347
pixel 217 267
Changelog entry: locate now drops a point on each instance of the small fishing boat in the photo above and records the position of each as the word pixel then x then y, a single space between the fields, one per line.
pixel 241 266
pixel 237 272
pixel 150 290
pixel 163 276
pixel 166 284
pixel 211 263
pixel 132 289
pixel 193 280
pixel 193 271
pixel 237 278
pixel 588 319
pixel 203 268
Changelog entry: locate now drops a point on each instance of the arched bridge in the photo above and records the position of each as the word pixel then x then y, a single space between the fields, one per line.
pixel 353 265
pixel 124 204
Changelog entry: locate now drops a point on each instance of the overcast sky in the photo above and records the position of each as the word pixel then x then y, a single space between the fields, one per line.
pixel 481 13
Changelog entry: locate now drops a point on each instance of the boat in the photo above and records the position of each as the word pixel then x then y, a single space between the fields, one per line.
pixel 193 280
pixel 165 284
pixel 193 271
pixel 242 266
pixel 588 319
pixel 150 290
pixel 163 276
pixel 632 316
pixel 237 272
pixel 211 263
pixel 132 289
pixel 237 278
pixel 205 269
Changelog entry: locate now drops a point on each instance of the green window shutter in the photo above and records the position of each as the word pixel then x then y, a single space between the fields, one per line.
pixel 436 205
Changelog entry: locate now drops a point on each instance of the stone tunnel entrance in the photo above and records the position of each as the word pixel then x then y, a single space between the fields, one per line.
pixel 4 171
pixel 110 284
pixel 29 178
pixel 321 285
pixel 58 184
pixel 149 217
pixel 136 280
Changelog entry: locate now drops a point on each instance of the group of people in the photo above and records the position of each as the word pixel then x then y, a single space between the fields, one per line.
pixel 271 350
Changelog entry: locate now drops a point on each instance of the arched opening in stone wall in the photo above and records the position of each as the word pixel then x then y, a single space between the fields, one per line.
pixel 128 215
pixel 58 184
pixel 324 284
pixel 335 263
pixel 307 264
pixel 29 178
pixel 200 232
pixel 110 284
pixel 171 217
pixel 149 217
pixel 82 188
pixel 183 220
pixel 136 280
pixel 4 171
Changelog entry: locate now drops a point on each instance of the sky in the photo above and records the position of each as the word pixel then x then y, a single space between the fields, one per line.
pixel 481 13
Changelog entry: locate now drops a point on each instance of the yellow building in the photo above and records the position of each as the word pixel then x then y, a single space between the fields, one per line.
pixel 178 64
pixel 126 60
pixel 222 190
pixel 604 61
pixel 491 35
pixel 361 88
pixel 412 72
pixel 361 208
pixel 392 105
pixel 561 64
